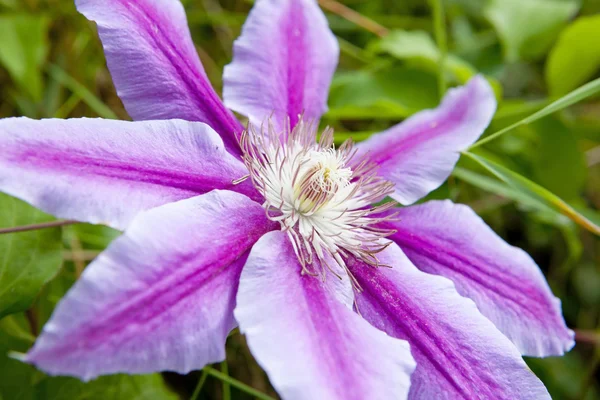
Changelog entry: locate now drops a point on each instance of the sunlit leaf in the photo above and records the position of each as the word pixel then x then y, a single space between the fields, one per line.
pixel 392 93
pixel 419 48
pixel 575 57
pixel 27 259
pixel 535 192
pixel 528 27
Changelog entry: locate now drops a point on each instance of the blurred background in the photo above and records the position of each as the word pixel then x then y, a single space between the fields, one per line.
pixel 393 56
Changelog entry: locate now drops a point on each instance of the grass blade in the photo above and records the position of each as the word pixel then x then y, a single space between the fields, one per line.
pixel 237 384
pixel 585 91
pixel 77 88
pixel 439 20
pixel 535 192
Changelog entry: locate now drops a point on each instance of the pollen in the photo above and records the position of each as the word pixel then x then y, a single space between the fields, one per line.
pixel 319 194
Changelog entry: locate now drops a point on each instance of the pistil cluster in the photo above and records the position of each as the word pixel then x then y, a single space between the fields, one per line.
pixel 320 195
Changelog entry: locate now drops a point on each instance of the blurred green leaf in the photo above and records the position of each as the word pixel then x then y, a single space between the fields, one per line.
pixel 393 93
pixel 535 192
pixel 95 236
pixel 116 387
pixel 23 50
pixel 575 57
pixel 586 281
pixel 82 92
pixel 419 48
pixel 528 27
pixel 17 377
pixel 28 260
pixel 559 164
pixel 564 376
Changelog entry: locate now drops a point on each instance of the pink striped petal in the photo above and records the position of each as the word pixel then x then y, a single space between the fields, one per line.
pixel 451 240
pixel 419 154
pixel 460 354
pixel 103 171
pixel 154 64
pixel 283 63
pixel 310 343
pixel 161 297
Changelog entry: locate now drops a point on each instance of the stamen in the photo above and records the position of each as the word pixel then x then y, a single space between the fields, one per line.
pixel 321 196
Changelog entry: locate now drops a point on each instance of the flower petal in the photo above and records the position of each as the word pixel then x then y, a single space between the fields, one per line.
pixel 161 296
pixel 448 239
pixel 419 154
pixel 154 64
pixel 460 354
pixel 283 63
pixel 312 345
pixel 103 171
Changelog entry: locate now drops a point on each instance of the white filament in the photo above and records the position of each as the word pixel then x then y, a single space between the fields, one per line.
pixel 320 195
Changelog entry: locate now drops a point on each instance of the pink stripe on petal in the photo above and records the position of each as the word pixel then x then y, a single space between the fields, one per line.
pixel 283 63
pixel 155 66
pixel 508 287
pixel 419 154
pixel 305 335
pixel 460 354
pixel 161 296
pixel 104 171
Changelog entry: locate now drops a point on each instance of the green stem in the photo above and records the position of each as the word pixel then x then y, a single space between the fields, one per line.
pixel 33 227
pixel 439 23
pixel 199 386
pixel 237 384
pixel 226 387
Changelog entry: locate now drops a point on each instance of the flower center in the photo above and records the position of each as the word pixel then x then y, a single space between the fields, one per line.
pixel 321 196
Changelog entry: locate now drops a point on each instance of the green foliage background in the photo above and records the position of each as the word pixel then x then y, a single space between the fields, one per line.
pixel 394 62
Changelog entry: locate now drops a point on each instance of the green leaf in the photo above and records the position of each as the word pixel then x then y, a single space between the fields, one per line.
pixel 28 260
pixel 21 381
pixel 115 387
pixel 575 57
pixel 528 27
pixel 17 377
pixel 419 48
pixel 393 93
pixel 583 92
pixel 558 163
pixel 535 192
pixel 24 49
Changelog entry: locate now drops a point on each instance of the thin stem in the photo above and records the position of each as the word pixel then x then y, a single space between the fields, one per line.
pixel 439 22
pixel 199 386
pixel 33 227
pixel 583 336
pixel 226 387
pixel 237 384
pixel 83 255
pixel 355 17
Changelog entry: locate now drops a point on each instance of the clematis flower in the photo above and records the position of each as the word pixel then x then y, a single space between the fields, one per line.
pixel 268 229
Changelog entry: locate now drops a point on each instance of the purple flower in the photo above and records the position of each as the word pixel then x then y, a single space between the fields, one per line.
pixel 268 229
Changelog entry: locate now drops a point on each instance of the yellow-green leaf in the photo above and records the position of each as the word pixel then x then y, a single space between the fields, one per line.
pixel 28 260
pixel 575 57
